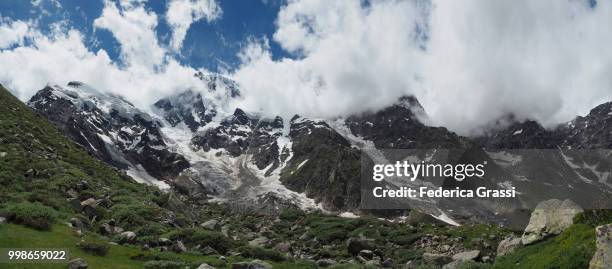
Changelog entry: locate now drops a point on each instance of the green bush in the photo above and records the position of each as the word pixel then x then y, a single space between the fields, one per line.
pixel 405 239
pixel 405 255
pixel 133 215
pixel 594 217
pixel 46 198
pixel 161 198
pixel 196 236
pixel 260 253
pixel 291 214
pixel 33 215
pixel 328 229
pixel 152 229
pixel 164 265
pixel 94 247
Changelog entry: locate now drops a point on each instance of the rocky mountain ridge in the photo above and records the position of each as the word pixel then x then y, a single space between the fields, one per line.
pixel 193 143
pixel 111 129
pixel 592 131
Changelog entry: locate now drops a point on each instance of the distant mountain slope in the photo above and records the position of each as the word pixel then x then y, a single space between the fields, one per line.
pixel 38 164
pixel 111 128
pixel 593 131
pixel 195 142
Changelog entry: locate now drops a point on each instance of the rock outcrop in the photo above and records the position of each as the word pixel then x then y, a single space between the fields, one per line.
pixel 550 217
pixel 508 245
pixel 603 255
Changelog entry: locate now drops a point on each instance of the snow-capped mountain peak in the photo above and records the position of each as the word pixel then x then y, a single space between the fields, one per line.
pixel 196 108
pixel 195 142
pixel 111 128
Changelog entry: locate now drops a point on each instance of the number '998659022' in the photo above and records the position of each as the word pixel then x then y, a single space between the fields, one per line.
pixel 38 255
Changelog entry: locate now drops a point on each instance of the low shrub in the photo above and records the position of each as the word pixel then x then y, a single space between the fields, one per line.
pixel 33 215
pixel 94 247
pixel 260 253
pixel 594 217
pixel 164 265
pixel 291 214
pixel 406 239
pixel 153 229
pixel 196 236
pixel 133 215
pixel 331 229
pixel 405 255
pixel 47 199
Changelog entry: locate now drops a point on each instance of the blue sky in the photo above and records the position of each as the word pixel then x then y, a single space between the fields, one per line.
pixel 211 45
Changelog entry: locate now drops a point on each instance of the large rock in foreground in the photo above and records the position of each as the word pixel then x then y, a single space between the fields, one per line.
pixel 550 217
pixel 603 255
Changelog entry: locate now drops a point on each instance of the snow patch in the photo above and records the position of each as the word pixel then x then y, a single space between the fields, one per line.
pixel 446 218
pixel 139 174
pixel 348 215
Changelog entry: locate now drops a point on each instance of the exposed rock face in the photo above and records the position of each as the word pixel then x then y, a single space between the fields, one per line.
pixel 550 217
pixel 553 163
pixel 224 86
pixel 436 259
pixel 210 224
pixel 192 108
pixel 508 245
pixel 127 237
pixel 188 108
pixel 460 258
pixel 454 264
pixel 325 262
pixel 283 247
pixel 77 263
pixel 520 135
pixel 323 165
pixel 243 133
pixel 356 245
pixel 194 142
pixel 259 242
pixel 109 127
pixel 593 131
pixel 602 258
pixel 205 266
pixel 178 247
pixel 398 126
pixel 467 255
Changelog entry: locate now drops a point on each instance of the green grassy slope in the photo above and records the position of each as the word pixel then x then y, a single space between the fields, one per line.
pixel 118 257
pixel 39 167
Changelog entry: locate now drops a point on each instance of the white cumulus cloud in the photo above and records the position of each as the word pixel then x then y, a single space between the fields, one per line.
pixel 12 32
pixel 134 28
pixel 469 62
pixel 354 58
pixel 145 74
pixel 182 13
